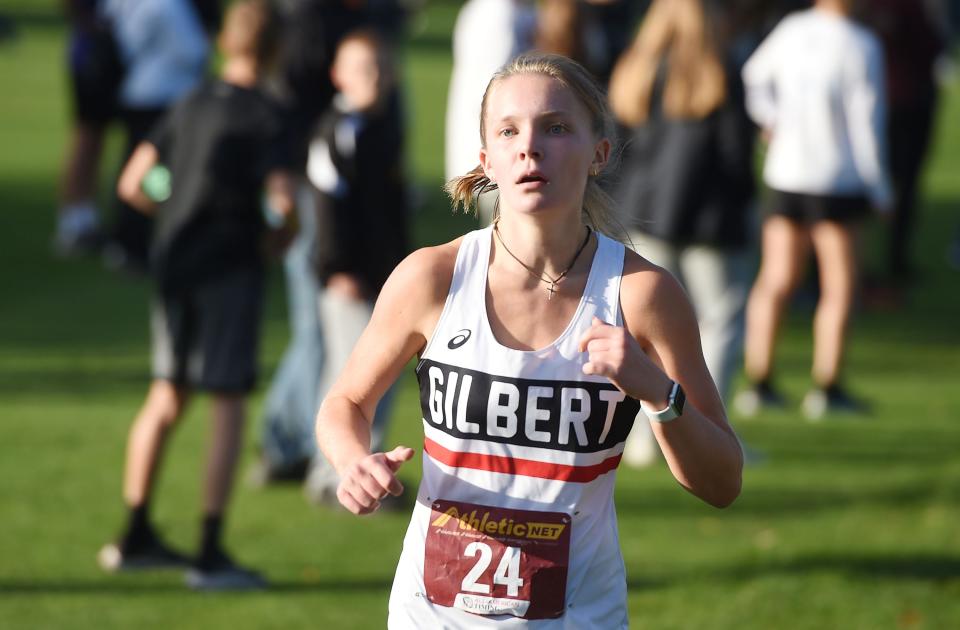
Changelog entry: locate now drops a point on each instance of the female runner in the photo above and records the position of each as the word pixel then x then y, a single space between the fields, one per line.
pixel 539 340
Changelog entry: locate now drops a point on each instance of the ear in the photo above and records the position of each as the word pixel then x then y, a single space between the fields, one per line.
pixel 487 166
pixel 601 155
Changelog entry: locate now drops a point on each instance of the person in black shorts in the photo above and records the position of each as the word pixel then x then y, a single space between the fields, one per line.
pixel 221 146
pixel 815 85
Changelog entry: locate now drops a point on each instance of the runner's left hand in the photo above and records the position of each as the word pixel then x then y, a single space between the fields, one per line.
pixel 614 353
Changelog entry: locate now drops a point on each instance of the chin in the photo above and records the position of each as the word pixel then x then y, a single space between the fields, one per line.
pixel 527 203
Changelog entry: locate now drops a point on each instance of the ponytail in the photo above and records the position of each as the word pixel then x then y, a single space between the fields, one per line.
pixel 465 189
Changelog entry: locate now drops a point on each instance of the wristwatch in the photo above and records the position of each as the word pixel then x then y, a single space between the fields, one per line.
pixel 674 407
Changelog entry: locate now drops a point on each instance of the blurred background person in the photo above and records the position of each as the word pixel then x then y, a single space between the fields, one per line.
pixel 313 30
pixel 222 148
pixel 913 40
pixel 165 50
pixel 95 71
pixel 816 87
pixel 686 182
pixel 356 165
pixel 591 32
pixel 487 34
pixel 301 82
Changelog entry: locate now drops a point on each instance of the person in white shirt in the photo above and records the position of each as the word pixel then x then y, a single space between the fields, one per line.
pixel 815 86
pixel 487 34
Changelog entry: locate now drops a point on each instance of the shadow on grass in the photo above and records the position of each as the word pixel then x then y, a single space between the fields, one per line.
pixel 928 567
pixel 773 501
pixel 131 587
pixel 917 566
pixel 74 381
pixel 877 444
pixel 905 566
pixel 33 18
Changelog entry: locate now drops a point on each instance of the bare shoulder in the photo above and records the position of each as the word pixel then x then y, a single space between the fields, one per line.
pixel 645 284
pixel 427 272
pixel 417 289
pixel 651 299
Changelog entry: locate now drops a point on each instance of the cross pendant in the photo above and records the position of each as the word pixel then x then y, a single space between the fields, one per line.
pixel 551 289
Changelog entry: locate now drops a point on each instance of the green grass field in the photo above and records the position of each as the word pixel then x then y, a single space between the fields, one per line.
pixel 846 525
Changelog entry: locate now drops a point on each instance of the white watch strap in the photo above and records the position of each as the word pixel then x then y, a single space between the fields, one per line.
pixel 666 414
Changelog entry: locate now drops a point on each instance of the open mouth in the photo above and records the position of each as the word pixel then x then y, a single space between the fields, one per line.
pixel 532 178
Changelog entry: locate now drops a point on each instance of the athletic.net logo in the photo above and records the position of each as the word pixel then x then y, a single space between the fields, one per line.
pixel 481 521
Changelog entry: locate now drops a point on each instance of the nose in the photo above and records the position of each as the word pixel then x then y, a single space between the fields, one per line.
pixel 529 146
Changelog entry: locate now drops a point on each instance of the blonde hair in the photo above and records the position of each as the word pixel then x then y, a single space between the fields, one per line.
pixel 598 207
pixel 682 33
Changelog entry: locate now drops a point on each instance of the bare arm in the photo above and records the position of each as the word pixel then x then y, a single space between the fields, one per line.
pixel 143 158
pixel 660 343
pixel 403 319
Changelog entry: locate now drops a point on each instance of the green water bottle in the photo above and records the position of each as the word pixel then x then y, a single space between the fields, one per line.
pixel 156 183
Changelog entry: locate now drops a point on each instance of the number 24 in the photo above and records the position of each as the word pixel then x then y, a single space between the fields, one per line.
pixel 507 573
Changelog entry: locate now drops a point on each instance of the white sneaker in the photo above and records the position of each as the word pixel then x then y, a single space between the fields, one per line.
pixel 155 555
pixel 751 401
pixel 815 405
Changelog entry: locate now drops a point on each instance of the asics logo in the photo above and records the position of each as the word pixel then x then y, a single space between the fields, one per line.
pixel 459 339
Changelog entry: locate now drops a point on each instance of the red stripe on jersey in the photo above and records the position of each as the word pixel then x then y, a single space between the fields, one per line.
pixel 517 466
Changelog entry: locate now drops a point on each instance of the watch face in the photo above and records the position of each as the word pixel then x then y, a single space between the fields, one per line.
pixel 679 399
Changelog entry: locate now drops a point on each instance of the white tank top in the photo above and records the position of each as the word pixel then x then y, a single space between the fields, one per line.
pixel 514 523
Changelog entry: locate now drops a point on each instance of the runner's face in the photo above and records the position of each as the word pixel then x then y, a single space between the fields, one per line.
pixel 540 144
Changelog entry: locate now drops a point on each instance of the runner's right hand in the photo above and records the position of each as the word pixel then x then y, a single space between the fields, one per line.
pixel 365 482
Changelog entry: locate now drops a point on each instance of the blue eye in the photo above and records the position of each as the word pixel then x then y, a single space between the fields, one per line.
pixel 557 128
pixel 508 132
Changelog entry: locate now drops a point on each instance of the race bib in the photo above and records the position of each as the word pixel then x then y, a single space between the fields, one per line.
pixel 497 561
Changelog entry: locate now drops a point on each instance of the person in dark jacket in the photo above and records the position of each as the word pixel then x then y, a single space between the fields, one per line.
pixel 355 162
pixel 912 42
pixel 686 184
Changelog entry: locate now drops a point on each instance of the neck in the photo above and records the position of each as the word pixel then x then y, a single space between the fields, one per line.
pixel 546 247
pixel 241 71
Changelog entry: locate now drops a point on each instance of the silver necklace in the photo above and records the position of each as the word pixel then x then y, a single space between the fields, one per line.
pixel 543 276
